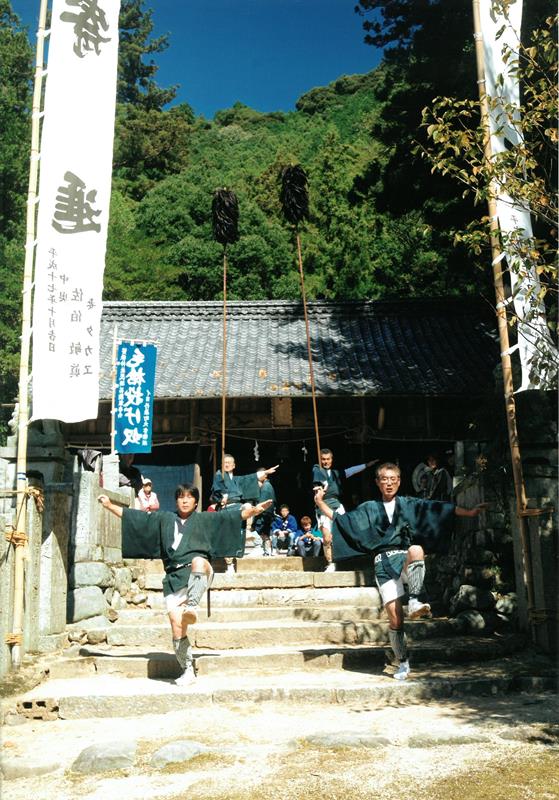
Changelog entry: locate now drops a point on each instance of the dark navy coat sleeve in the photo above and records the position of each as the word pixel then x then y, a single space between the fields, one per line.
pixel 141 533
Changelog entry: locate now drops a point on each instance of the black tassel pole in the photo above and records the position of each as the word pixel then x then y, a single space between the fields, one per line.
pixel 225 221
pixel 294 198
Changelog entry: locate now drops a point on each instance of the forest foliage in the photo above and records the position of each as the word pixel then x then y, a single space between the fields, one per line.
pixel 381 223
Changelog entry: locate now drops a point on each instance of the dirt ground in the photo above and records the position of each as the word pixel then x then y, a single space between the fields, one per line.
pixel 498 748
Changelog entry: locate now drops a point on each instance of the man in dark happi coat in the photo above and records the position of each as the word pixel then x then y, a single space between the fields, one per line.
pixel 263 522
pixel 332 481
pixel 230 491
pixel 385 529
pixel 186 542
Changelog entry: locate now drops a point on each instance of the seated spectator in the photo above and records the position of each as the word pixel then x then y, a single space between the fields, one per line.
pixel 147 498
pixel 309 541
pixel 282 533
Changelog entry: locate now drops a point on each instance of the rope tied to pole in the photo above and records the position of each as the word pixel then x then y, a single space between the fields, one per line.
pixel 30 491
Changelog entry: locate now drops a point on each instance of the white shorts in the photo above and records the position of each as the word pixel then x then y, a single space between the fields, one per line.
pixel 325 523
pixel 176 599
pixel 392 589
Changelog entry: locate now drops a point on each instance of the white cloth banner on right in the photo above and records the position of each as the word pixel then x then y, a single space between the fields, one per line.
pixel 74 197
pixel 538 355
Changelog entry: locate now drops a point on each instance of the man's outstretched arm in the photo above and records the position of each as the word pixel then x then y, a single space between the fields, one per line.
pixel 110 506
pixel 470 512
pixel 254 511
pixel 319 502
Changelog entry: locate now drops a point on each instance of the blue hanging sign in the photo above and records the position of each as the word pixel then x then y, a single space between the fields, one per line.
pixel 134 391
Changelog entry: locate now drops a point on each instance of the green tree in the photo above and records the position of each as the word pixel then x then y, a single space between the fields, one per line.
pixel 150 143
pixel 428 51
pixel 136 84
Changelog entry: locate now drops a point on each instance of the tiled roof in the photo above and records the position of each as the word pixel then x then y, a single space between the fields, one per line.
pixel 431 348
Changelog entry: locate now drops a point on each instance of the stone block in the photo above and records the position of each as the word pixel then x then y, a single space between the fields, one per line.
pixel 112 555
pixel 110 472
pixel 507 605
pixel 478 576
pixel 123 580
pixel 51 642
pixel 468 597
pixel 54 562
pixel 13 767
pixel 105 757
pixel 88 552
pixel 85 602
pixel 91 573
pixel 40 708
pixel 153 582
pixel 98 621
pixel 177 753
pixel 472 620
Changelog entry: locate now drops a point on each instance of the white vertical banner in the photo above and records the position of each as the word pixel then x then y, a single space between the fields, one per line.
pixel 74 197
pixel 501 35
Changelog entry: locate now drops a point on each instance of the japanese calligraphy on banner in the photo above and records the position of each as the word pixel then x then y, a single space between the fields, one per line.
pixel 134 389
pixel 501 40
pixel 74 196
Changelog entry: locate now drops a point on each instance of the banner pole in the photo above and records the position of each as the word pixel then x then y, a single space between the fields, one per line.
pixel 20 539
pixel 224 366
pixel 506 363
pixel 113 375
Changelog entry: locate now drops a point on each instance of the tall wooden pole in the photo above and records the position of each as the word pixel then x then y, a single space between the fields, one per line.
pixel 20 537
pixel 113 376
pixel 224 366
pixel 497 261
pixel 309 351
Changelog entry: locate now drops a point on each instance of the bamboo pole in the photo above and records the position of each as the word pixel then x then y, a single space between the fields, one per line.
pixel 113 375
pixel 224 366
pixel 307 327
pixel 497 261
pixel 23 393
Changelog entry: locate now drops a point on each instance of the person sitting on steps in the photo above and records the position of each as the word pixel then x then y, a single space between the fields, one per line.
pixel 283 531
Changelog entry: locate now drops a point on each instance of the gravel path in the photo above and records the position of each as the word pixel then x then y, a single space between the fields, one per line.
pixel 445 750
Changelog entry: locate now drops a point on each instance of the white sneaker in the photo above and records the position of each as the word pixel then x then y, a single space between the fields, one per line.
pixel 417 609
pixel 230 569
pixel 331 567
pixel 403 671
pixel 187 678
pixel 256 552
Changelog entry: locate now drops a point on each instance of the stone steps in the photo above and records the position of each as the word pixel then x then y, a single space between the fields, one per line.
pixel 114 696
pixel 281 597
pixel 258 661
pixel 238 635
pixel 242 613
pixel 277 579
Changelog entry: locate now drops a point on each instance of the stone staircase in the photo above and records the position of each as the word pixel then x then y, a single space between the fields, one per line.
pixel 281 628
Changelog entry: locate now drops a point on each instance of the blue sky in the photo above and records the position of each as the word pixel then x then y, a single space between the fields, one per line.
pixel 264 53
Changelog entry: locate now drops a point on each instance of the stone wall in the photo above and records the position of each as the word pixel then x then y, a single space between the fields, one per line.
pixel 6 596
pixel 481 578
pixel 98 580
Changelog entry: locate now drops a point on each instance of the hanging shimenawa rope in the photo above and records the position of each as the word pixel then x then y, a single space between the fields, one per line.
pixel 294 197
pixel 225 220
